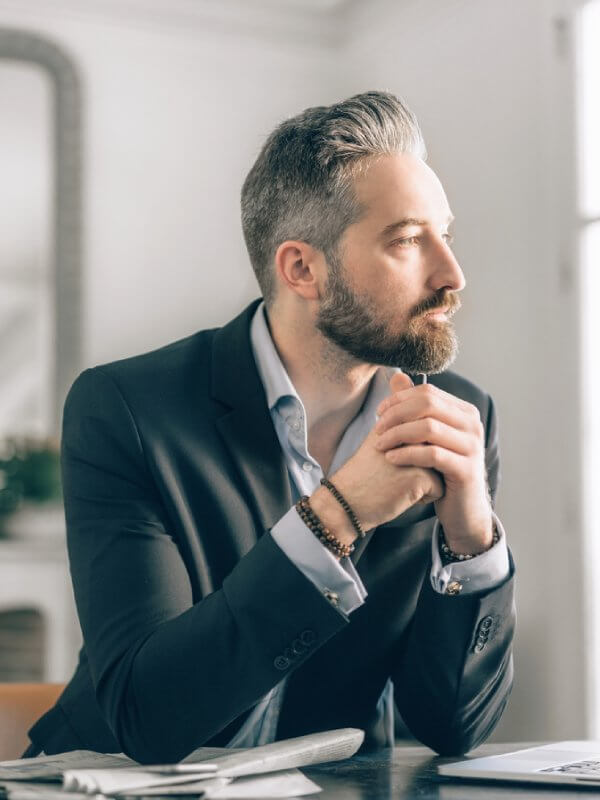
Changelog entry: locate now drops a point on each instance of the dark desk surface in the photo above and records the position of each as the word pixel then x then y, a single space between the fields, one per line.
pixel 410 772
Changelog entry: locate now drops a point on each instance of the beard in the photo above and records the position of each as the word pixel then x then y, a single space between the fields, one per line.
pixel 352 322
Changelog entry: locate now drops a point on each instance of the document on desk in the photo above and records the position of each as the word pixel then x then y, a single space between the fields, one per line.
pixel 207 772
pixel 51 768
pixel 288 783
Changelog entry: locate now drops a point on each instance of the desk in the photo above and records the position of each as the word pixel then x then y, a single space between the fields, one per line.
pixel 410 772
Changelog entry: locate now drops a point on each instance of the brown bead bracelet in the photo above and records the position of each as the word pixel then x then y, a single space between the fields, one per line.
pixel 448 556
pixel 353 518
pixel 322 533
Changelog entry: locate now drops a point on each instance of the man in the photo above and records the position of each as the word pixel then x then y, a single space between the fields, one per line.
pixel 217 606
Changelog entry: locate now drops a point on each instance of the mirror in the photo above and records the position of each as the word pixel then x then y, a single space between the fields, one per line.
pixel 40 233
pixel 27 358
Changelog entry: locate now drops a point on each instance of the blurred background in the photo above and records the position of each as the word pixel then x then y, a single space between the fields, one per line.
pixel 126 130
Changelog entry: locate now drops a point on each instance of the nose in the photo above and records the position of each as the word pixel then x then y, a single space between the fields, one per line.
pixel 445 269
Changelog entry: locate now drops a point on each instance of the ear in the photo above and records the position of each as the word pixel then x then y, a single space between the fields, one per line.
pixel 300 268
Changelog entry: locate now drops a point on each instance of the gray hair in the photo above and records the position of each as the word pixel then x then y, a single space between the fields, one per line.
pixel 301 185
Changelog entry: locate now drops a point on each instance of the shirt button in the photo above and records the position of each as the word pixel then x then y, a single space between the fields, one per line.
pixel 296 426
pixel 307 466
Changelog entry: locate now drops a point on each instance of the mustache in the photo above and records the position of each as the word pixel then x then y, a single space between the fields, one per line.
pixel 443 299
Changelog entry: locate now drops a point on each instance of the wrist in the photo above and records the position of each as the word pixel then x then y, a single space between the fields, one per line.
pixel 333 516
pixel 464 549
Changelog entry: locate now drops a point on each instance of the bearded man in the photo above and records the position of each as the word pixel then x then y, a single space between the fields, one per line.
pixel 272 530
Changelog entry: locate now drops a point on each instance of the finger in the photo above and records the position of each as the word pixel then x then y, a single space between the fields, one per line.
pixel 429 431
pixel 427 392
pixel 400 381
pixel 432 406
pixel 456 469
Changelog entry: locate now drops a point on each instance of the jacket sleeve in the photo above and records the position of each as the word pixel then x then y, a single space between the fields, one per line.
pixel 169 673
pixel 453 680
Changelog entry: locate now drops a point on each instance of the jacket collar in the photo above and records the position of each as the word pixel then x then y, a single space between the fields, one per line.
pixel 246 425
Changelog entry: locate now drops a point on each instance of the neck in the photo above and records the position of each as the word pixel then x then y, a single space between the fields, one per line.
pixel 331 384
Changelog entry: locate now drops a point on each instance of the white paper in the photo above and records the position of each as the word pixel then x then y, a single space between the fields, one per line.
pixel 123 781
pixel 298 752
pixel 288 783
pixel 51 768
pixel 85 772
pixel 34 790
pixel 315 748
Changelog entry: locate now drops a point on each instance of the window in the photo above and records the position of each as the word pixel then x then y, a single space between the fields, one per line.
pixel 589 249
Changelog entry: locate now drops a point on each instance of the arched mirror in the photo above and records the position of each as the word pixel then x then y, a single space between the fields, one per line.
pixel 40 233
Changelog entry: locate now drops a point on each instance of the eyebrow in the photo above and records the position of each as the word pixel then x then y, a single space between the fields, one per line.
pixel 408 222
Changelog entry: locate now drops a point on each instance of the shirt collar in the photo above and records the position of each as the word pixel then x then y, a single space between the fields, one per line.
pixel 276 381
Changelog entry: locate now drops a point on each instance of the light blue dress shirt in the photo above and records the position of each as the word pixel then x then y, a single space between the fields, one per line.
pixel 337 580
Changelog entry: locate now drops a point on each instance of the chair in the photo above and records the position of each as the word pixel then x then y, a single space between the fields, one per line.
pixel 21 704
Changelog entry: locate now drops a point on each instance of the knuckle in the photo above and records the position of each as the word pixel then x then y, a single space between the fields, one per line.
pixel 413 490
pixel 430 426
pixel 436 456
pixel 428 408
pixel 474 412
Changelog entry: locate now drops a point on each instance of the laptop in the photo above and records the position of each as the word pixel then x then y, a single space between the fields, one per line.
pixel 561 762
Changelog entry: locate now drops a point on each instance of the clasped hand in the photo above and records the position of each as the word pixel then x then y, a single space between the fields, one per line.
pixel 423 426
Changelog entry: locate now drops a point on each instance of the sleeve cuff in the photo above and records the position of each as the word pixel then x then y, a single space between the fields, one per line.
pixel 337 580
pixel 479 574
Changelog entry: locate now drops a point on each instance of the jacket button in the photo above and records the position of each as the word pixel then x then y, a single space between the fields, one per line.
pixel 479 647
pixel 308 637
pixel 281 663
pixel 486 622
pixel 298 648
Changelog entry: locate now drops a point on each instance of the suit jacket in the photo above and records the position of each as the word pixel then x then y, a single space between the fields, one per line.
pixel 173 476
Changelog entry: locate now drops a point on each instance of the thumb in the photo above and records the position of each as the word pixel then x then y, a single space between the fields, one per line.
pixel 400 381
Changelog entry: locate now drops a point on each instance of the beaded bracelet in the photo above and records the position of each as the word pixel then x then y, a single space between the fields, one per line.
pixel 322 533
pixel 448 555
pixel 353 518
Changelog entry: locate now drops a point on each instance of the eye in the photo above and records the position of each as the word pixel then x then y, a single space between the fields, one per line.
pixel 408 241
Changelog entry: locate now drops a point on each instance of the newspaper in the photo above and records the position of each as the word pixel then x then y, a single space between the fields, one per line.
pixel 203 772
pixel 51 768
pixel 290 783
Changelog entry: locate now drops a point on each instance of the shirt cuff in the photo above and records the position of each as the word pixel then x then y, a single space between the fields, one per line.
pixel 478 574
pixel 338 581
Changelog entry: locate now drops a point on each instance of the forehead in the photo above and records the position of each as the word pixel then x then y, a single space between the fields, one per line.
pixel 395 187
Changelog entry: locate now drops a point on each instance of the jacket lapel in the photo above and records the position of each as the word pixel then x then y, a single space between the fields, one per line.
pixel 246 426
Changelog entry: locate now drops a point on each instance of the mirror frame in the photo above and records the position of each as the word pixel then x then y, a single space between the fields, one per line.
pixel 66 225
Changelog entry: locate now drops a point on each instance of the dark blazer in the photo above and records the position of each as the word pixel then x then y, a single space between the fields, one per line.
pixel 173 476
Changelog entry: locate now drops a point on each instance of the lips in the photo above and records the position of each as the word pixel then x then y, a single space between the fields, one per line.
pixel 443 310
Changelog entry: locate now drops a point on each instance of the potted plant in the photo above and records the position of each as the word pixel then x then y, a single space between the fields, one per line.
pixel 30 488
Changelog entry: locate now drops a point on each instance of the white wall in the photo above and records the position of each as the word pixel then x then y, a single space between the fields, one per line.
pixel 174 115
